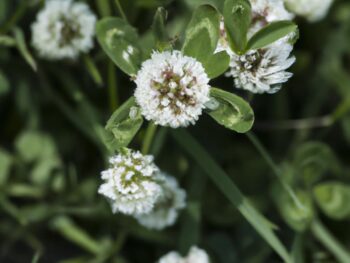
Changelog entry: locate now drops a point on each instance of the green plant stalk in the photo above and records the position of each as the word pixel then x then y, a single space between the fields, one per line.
pixel 112 87
pixel 297 248
pixel 327 239
pixel 230 190
pixel 20 11
pixel 92 69
pixel 277 172
pixel 147 143
pixel 120 9
pixel 69 112
pixel 104 8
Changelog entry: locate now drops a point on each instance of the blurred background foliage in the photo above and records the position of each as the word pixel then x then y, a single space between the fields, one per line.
pixel 51 153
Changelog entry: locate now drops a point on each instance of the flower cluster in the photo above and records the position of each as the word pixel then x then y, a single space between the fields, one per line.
pixel 195 255
pixel 63 29
pixel 135 186
pixel 132 184
pixel 262 70
pixel 166 209
pixel 172 89
pixel 312 10
pixel 267 11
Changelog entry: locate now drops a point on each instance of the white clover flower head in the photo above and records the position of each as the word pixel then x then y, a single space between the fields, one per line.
pixel 166 209
pixel 196 255
pixel 262 70
pixel 63 29
pixel 172 89
pixel 312 10
pixel 267 11
pixel 132 184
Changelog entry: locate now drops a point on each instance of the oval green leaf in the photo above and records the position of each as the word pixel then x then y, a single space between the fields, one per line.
pixel 334 199
pixel 237 17
pixel 202 33
pixel 123 125
pixel 298 218
pixel 120 42
pixel 217 64
pixel 232 111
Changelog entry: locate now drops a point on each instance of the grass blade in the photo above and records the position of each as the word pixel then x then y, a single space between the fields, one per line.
pixel 230 190
pixel 333 245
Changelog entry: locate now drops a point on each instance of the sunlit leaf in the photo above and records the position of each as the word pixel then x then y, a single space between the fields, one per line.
pixel 237 17
pixel 217 64
pixel 120 42
pixel 202 34
pixel 123 125
pixel 231 111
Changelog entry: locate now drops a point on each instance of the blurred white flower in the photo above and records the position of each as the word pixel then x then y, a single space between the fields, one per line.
pixel 312 10
pixel 172 89
pixel 263 13
pixel 63 29
pixel 267 11
pixel 262 70
pixel 195 255
pixel 166 209
pixel 132 184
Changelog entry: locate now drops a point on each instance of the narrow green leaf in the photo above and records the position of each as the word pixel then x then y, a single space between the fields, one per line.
pixel 120 42
pixel 93 70
pixel 334 199
pixel 232 111
pixel 217 64
pixel 191 220
pixel 22 47
pixel 230 190
pixel 67 228
pixel 297 248
pixel 328 240
pixel 271 33
pixel 202 33
pixel 237 17
pixel 123 125
pixel 7 41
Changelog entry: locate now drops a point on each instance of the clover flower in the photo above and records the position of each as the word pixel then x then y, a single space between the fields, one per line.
pixel 312 10
pixel 132 184
pixel 166 209
pixel 267 11
pixel 172 89
pixel 262 70
pixel 195 255
pixel 63 29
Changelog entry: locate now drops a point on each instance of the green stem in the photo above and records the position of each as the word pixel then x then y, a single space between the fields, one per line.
pixel 276 170
pixel 120 9
pixel 150 132
pixel 333 245
pixel 92 69
pixel 112 87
